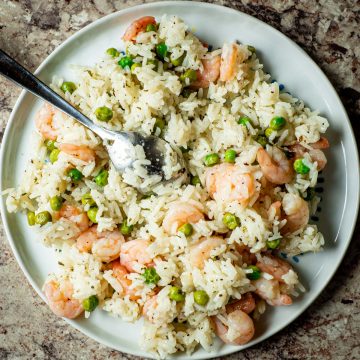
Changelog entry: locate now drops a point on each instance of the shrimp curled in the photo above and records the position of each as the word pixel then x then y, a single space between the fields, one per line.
pixel 105 245
pixel 138 26
pixel 180 213
pixel 60 299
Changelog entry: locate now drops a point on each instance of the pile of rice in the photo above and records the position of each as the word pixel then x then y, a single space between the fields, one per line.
pixel 204 122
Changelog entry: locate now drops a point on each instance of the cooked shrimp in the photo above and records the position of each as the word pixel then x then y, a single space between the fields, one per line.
pixel 133 255
pixel 105 245
pixel 316 153
pixel 296 213
pixel 75 215
pixel 209 74
pixel 80 152
pixel 60 299
pixel 229 60
pixel 138 26
pixel 245 304
pixel 323 143
pixel 180 213
pixel 278 169
pixel 274 266
pixel 121 275
pixel 320 158
pixel 236 328
pixel 200 251
pixel 44 122
pixel 269 290
pixel 227 183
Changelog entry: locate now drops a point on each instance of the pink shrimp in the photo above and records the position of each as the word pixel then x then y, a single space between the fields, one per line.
pixel 229 61
pixel 296 213
pixel 60 299
pixel 104 245
pixel 200 251
pixel 75 215
pixel 180 213
pixel 209 74
pixel 269 290
pixel 316 153
pixel 44 122
pixel 246 304
pixel 227 183
pixel 133 255
pixel 138 26
pixel 277 169
pixel 236 328
pixel 121 275
pixel 274 266
pixel 80 152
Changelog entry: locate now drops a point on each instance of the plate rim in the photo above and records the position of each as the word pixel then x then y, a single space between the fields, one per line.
pixel 312 297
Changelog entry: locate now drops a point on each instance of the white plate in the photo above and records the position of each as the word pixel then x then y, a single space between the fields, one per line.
pixel 288 64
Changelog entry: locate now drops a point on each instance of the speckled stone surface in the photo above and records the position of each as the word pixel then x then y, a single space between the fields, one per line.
pixel 328 30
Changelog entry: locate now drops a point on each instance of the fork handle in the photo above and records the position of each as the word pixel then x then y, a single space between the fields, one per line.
pixel 15 72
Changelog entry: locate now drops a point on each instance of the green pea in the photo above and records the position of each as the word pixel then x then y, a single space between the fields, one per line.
pixel 176 294
pixel 134 66
pixel 42 218
pixel 54 155
pixel 277 122
pixel 68 86
pixel 31 218
pixel 262 140
pixel 244 120
pixel 103 113
pixel 186 229
pixel 125 61
pixel 56 203
pixel 161 50
pixel 211 159
pixel 201 297
pixel 91 303
pixel 150 27
pixel 75 175
pixel 256 273
pixel 230 156
pixel 195 180
pixel 310 193
pixel 50 145
pixel 231 221
pixel 269 131
pixel 273 244
pixel 189 74
pixel 125 228
pixel 87 199
pixel 112 52
pixel 91 213
pixel 300 167
pixel 178 61
pixel 251 48
pixel 101 178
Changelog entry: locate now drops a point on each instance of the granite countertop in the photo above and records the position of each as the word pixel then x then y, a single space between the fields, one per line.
pixel 328 30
